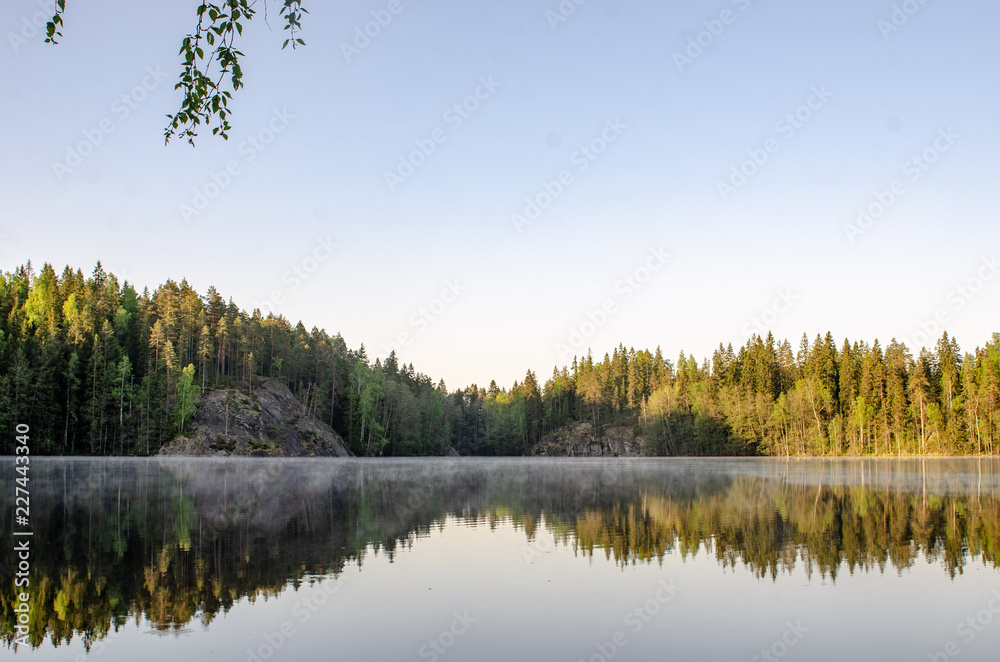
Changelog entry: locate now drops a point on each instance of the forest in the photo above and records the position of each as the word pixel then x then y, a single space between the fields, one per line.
pixel 97 368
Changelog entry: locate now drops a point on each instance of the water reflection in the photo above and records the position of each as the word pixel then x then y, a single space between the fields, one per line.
pixel 177 542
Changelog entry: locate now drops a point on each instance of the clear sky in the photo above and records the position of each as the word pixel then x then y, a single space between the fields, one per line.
pixel 646 111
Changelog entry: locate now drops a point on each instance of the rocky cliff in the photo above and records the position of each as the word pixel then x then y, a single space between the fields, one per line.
pixel 579 440
pixel 269 423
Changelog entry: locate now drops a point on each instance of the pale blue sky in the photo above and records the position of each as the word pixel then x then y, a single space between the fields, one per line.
pixel 521 294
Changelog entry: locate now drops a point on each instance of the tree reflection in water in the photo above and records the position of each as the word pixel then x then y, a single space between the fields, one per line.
pixel 170 542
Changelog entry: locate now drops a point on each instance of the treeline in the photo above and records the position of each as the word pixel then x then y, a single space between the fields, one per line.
pixel 97 368
pixel 858 400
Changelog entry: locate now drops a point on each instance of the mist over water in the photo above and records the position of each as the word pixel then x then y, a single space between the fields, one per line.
pixel 485 559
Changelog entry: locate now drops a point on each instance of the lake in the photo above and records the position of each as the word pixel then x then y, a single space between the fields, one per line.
pixel 509 559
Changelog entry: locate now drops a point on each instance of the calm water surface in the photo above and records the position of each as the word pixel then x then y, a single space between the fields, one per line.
pixel 461 559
